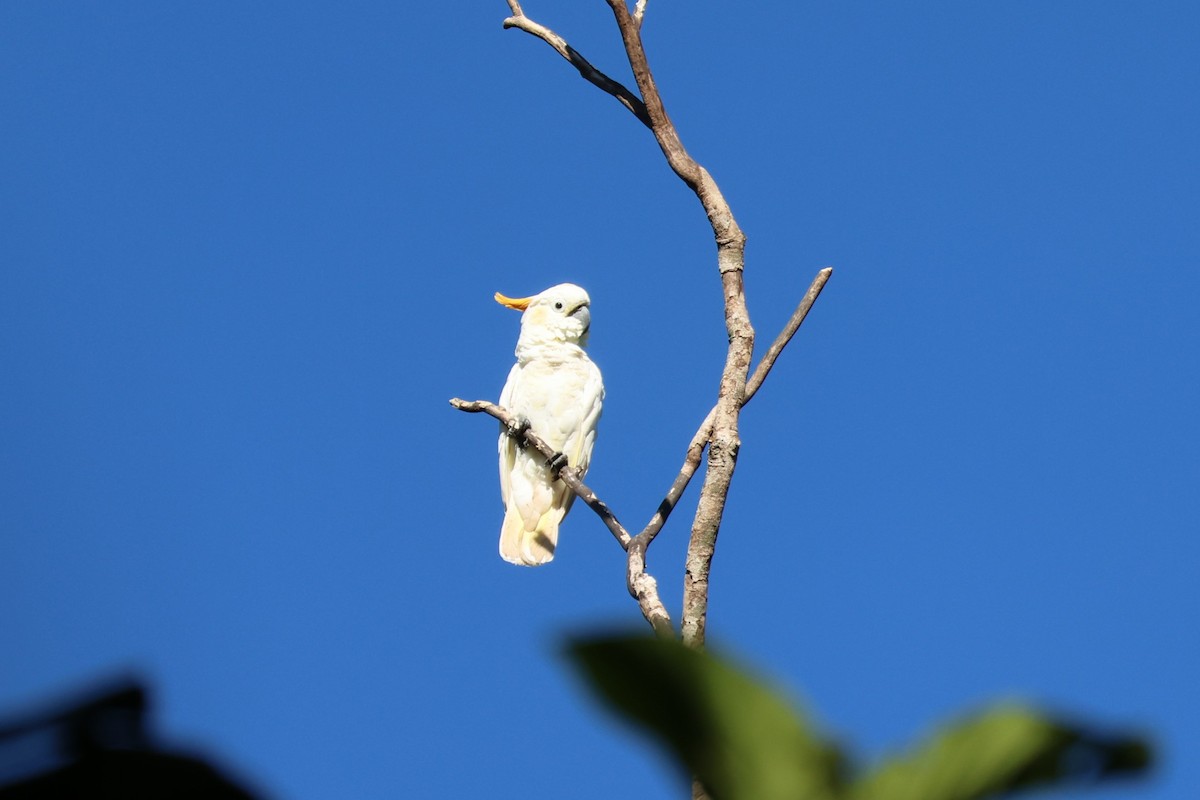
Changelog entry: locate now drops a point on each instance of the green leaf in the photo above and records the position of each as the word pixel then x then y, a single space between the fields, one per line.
pixel 739 737
pixel 1003 750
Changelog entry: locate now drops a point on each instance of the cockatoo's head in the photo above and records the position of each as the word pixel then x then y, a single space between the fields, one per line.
pixel 560 314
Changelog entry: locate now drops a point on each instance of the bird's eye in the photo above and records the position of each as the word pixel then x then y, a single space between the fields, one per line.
pixel 558 306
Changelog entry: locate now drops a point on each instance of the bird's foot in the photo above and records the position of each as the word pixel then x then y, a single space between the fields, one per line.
pixel 518 428
pixel 557 464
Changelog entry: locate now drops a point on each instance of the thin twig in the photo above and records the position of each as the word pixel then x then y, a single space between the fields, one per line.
pixel 594 76
pixel 568 474
pixel 789 330
pixel 642 585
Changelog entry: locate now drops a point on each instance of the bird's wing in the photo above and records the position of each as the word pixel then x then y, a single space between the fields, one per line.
pixel 506 445
pixel 525 479
pixel 589 404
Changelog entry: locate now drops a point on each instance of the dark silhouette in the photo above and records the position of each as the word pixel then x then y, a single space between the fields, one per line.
pixel 100 746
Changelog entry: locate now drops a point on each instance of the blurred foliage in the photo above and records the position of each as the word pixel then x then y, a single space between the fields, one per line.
pixel 746 741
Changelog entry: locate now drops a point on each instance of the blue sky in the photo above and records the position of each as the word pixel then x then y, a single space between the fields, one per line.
pixel 249 252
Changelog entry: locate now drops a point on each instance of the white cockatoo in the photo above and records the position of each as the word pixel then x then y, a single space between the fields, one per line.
pixel 557 388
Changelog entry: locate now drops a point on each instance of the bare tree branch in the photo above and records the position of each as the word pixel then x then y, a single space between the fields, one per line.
pixel 642 585
pixel 719 432
pixel 696 447
pixel 731 242
pixel 789 330
pixel 625 97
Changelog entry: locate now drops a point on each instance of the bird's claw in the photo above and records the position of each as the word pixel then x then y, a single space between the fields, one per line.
pixel 557 464
pixel 518 428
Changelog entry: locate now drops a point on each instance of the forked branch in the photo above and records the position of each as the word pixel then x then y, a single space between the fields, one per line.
pixel 695 451
pixel 588 72
pixel 723 442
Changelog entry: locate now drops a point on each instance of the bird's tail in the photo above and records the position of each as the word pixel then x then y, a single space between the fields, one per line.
pixel 529 548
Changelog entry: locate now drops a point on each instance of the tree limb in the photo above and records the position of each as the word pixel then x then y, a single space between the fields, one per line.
pixel 642 585
pixel 723 443
pixel 719 433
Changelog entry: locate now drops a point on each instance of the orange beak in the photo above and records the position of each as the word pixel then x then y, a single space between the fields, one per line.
pixel 517 303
